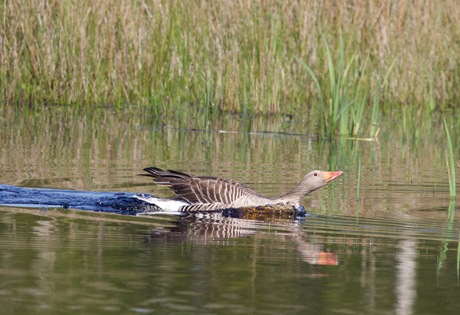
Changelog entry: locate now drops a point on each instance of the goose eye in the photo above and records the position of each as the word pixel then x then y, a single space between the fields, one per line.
pixel 316 174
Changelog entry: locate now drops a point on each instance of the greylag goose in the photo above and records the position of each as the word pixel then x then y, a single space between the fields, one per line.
pixel 205 193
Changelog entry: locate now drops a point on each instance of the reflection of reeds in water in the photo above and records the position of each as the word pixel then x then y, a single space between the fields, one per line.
pixel 458 259
pixel 358 182
pixel 453 194
pixel 448 239
pixel 106 150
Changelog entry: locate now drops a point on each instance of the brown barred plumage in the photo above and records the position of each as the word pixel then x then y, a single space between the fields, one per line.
pixel 204 193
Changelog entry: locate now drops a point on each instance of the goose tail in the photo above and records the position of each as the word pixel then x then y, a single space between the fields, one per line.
pixel 162 206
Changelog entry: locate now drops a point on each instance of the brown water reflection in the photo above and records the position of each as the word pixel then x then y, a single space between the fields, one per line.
pixel 214 228
pixel 77 261
pixel 380 239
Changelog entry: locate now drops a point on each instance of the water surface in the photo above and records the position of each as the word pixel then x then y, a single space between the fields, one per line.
pixel 379 240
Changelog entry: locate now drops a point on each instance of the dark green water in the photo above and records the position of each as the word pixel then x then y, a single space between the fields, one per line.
pixel 380 240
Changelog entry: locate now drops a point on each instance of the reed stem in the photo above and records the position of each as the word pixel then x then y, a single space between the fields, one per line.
pixel 450 161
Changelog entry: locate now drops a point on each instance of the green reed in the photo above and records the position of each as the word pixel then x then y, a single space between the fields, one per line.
pixel 358 184
pixel 165 54
pixel 450 161
pixel 343 96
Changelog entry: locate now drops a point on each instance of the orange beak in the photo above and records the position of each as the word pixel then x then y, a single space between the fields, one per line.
pixel 328 176
pixel 327 258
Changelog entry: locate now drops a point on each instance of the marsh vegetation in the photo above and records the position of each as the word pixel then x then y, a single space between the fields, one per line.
pixel 257 91
pixel 201 58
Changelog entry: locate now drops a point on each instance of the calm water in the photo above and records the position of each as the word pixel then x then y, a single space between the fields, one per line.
pixel 379 240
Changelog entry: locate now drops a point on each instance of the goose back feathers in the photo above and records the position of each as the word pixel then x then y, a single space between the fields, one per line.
pixel 201 193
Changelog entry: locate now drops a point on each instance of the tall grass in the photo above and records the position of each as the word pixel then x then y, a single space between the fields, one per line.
pixel 165 53
pixel 344 95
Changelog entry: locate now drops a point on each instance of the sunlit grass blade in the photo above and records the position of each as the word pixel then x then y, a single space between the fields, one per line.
pixel 375 112
pixel 313 77
pixel 330 65
pixel 450 163
pixel 207 104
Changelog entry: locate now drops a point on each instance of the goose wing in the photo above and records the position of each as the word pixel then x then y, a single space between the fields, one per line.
pixel 199 189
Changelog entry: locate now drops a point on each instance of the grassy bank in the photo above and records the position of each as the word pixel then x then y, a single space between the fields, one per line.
pixel 231 56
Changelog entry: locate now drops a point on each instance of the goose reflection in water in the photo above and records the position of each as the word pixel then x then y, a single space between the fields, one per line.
pixel 220 228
